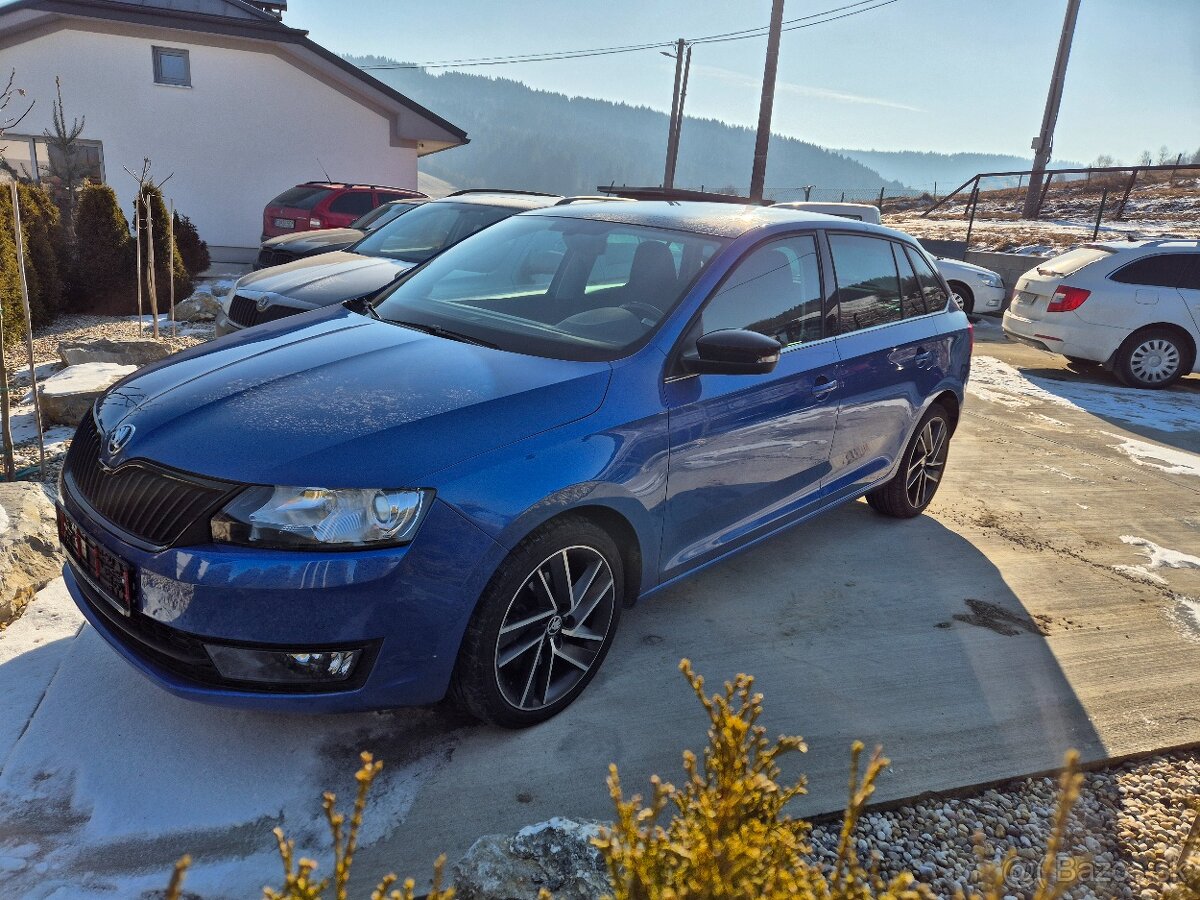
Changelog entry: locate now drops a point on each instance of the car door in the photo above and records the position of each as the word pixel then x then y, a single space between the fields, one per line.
pixel 888 360
pixel 349 206
pixel 750 451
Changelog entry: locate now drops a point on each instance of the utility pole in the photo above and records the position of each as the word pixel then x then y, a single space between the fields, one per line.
pixel 672 135
pixel 758 174
pixel 1044 142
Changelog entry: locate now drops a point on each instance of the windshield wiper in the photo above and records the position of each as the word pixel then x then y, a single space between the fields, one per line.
pixel 447 333
pixel 362 305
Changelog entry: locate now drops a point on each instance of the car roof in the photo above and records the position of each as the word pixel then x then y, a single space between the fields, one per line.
pixel 511 200
pixel 727 220
pixel 1150 243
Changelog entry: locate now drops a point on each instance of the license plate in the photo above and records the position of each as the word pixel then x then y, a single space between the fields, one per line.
pixel 285 223
pixel 107 573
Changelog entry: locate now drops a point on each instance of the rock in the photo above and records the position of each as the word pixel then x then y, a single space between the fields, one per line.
pixel 133 352
pixel 556 855
pixel 200 307
pixel 29 553
pixel 67 395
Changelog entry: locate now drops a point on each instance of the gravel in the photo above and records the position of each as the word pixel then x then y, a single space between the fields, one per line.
pixel 1124 834
pixel 46 358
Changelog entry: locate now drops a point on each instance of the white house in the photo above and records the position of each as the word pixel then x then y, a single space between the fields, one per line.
pixel 222 93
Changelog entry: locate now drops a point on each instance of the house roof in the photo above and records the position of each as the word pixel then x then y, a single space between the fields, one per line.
pixel 238 18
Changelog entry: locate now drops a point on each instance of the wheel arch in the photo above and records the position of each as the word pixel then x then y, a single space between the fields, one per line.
pixel 1189 342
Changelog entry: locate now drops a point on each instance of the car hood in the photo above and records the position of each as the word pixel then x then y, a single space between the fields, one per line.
pixel 332 398
pixel 324 279
pixel 950 265
pixel 311 240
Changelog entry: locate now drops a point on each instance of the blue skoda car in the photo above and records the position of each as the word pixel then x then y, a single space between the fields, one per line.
pixel 457 490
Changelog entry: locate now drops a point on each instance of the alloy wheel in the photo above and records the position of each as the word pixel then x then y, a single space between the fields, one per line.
pixel 927 462
pixel 1154 361
pixel 555 627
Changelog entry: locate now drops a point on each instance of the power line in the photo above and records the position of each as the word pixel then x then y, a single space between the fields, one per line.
pixel 552 56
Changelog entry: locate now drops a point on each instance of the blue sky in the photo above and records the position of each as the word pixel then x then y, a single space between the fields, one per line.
pixel 944 75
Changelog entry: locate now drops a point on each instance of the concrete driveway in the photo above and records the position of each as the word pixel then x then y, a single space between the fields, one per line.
pixel 1050 599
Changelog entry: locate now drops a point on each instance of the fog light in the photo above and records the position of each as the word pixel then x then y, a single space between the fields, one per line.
pixel 282 666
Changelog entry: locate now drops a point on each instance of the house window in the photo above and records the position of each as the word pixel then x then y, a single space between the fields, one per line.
pixel 38 160
pixel 172 67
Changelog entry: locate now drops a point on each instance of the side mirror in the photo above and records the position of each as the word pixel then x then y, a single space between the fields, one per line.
pixel 734 351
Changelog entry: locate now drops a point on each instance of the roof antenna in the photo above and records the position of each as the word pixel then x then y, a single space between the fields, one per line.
pixel 323 171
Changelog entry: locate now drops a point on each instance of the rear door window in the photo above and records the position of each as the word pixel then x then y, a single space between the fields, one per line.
pixel 353 203
pixel 1160 270
pixel 935 298
pixel 301 197
pixel 1191 278
pixel 868 285
pixel 910 289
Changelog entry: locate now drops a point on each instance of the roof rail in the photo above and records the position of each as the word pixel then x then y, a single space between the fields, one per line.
pixel 374 187
pixel 592 198
pixel 500 191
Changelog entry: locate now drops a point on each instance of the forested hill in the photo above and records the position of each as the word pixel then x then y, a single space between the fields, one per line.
pixel 540 140
pixel 921 170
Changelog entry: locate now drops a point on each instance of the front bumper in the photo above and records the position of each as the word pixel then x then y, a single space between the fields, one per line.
pixel 406 606
pixel 989 299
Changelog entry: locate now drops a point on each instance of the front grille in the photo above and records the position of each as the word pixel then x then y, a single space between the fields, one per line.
pixel 245 312
pixel 158 507
pixel 268 257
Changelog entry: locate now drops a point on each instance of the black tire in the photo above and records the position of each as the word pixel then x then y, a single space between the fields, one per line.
pixel 899 497
pixel 963 291
pixel 1153 358
pixel 515 609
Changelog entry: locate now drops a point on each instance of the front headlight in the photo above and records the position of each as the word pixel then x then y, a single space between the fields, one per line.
pixel 991 279
pixel 307 517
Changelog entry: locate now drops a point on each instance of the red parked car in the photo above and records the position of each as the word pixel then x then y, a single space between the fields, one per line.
pixel 325 204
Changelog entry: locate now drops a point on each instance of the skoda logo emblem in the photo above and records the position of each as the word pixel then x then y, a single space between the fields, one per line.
pixel 119 438
pixel 263 303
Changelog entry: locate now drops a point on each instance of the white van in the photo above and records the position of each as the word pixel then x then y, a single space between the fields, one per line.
pixel 862 212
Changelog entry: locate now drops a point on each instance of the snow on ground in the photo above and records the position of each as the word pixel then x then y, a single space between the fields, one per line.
pixel 1165 459
pixel 1162 557
pixel 1169 410
pixel 113 779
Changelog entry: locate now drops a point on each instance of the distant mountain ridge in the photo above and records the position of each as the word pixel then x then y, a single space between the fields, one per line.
pixel 522 137
pixel 920 170
pixel 540 140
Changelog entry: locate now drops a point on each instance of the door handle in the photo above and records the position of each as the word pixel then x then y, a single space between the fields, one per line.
pixel 824 385
pixel 923 359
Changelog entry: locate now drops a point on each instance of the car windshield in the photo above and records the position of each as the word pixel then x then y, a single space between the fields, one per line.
pixel 565 288
pixel 1073 260
pixel 380 216
pixel 429 229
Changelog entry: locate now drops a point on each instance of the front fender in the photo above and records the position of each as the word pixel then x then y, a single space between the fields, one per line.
pixel 615 458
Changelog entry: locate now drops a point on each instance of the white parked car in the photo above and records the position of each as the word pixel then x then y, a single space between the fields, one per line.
pixel 974 288
pixel 1132 306
pixel 860 212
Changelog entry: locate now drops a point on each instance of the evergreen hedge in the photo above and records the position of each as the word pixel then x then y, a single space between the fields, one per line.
pixel 45 261
pixel 193 250
pixel 103 276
